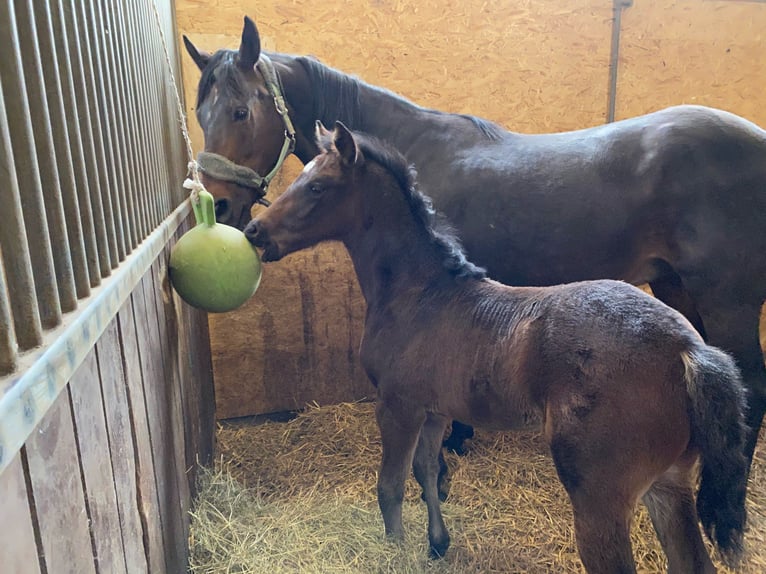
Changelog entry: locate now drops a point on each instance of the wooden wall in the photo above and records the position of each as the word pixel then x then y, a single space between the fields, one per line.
pixel 532 66
pixel 104 482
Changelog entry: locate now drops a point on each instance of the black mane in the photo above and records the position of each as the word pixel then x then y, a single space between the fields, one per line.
pixel 439 232
pixel 336 97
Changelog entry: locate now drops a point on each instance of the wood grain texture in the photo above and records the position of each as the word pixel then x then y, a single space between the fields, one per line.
pixel 54 474
pixel 17 537
pixel 118 420
pixel 95 462
pixel 148 501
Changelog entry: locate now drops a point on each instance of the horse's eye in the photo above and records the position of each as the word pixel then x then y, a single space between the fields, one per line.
pixel 240 114
pixel 316 189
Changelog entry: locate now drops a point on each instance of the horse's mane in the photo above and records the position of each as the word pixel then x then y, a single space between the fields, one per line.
pixel 439 232
pixel 337 98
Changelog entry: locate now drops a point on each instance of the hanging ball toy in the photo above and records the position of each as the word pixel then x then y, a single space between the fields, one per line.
pixel 213 266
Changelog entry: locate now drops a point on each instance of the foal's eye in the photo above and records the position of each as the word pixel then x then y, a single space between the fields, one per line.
pixel 240 114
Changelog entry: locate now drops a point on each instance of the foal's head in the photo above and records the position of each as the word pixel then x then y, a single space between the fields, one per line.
pixel 324 203
pixel 240 120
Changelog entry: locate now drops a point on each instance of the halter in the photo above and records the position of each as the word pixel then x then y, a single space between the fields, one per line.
pixel 223 169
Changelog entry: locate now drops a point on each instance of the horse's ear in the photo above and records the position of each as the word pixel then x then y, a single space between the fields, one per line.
pixel 345 144
pixel 200 57
pixel 250 48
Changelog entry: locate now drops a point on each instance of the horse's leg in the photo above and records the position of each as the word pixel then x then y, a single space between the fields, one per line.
pixel 670 501
pixel 426 467
pixel 734 328
pixel 399 429
pixel 670 290
pixel 458 435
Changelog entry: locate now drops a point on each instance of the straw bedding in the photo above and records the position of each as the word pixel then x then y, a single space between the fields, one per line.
pixel 299 496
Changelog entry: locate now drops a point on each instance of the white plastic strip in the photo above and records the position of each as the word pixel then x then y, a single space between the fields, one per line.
pixel 26 396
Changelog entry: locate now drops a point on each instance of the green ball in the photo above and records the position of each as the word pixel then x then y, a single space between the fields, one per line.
pixel 214 267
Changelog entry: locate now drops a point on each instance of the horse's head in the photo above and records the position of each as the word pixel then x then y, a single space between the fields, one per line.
pixel 321 204
pixel 248 133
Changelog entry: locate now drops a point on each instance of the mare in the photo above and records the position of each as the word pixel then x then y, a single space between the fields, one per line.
pixel 675 199
pixel 628 394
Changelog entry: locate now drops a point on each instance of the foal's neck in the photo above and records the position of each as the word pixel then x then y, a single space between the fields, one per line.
pixel 391 251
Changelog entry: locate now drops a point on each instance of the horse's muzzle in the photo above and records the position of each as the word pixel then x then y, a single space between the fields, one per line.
pixel 259 236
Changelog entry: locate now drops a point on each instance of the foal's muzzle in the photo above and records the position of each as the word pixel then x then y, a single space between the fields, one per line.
pixel 259 236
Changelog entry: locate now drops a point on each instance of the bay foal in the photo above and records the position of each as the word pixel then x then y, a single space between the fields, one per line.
pixel 628 395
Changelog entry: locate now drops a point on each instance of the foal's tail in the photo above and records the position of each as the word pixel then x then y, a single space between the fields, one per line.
pixel 717 395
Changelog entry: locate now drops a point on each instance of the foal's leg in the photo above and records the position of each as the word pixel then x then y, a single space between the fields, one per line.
pixel 399 429
pixel 671 506
pixel 426 467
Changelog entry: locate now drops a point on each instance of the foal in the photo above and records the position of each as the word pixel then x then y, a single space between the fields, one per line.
pixel 628 395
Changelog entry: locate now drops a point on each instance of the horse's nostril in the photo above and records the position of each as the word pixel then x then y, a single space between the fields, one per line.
pixel 222 209
pixel 251 230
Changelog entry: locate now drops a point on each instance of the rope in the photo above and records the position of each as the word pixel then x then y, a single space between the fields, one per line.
pixel 193 183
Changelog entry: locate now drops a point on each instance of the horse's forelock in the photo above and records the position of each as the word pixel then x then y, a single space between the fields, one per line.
pixel 221 70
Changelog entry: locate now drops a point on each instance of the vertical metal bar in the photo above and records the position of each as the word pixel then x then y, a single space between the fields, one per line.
pixel 617 7
pixel 86 129
pixel 62 150
pixel 14 244
pixel 46 157
pixel 116 80
pixel 90 69
pixel 8 345
pixel 150 85
pixel 105 109
pixel 72 109
pixel 122 34
pixel 139 87
pixel 180 153
pixel 159 83
pixel 22 140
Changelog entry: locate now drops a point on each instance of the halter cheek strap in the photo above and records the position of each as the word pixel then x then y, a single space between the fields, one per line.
pixel 223 169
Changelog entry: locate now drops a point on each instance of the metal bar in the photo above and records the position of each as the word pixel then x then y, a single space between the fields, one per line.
pixel 14 245
pixel 130 112
pixel 62 149
pixel 86 130
pixel 98 123
pixel 72 108
pixel 127 167
pixel 46 156
pixel 614 56
pixel 105 107
pixel 150 85
pixel 22 140
pixel 139 87
pixel 8 345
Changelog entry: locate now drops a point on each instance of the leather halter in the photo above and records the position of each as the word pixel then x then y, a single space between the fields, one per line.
pixel 223 169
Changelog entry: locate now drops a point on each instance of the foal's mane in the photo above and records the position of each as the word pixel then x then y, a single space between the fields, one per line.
pixel 439 232
pixel 336 97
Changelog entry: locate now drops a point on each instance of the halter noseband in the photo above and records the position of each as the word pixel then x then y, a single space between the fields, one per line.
pixel 223 169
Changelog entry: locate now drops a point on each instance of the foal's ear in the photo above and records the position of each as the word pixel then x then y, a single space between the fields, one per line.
pixel 200 57
pixel 345 144
pixel 250 48
pixel 322 136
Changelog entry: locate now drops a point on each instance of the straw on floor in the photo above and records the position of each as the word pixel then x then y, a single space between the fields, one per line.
pixel 299 496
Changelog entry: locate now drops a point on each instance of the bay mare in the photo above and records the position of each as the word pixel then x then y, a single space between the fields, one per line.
pixel 675 199
pixel 628 394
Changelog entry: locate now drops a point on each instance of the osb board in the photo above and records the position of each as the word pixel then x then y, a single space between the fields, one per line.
pixel 296 340
pixel 695 52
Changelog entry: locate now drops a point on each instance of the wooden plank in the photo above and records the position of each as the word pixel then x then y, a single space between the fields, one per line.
pixel 123 455
pixel 148 501
pixel 54 475
pixel 158 395
pixel 95 462
pixel 168 331
pixel 17 537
